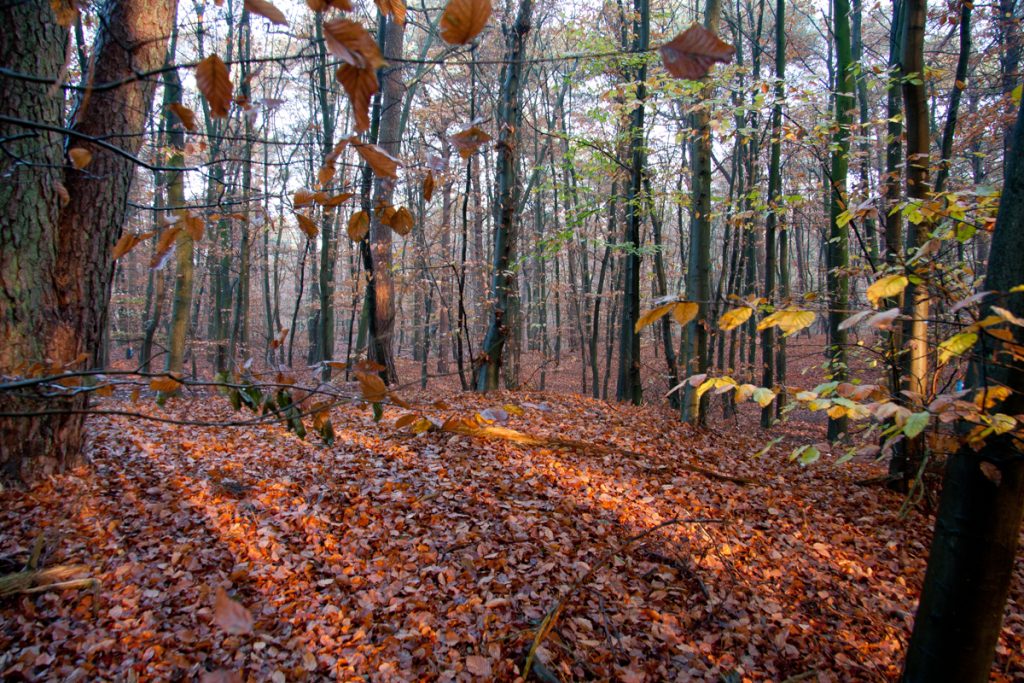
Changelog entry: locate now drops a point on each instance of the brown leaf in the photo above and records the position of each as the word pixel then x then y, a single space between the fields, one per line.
pixel 80 157
pixel 691 53
pixel 428 186
pixel 307 225
pixel 62 192
pixel 469 141
pixel 402 221
pixel 303 198
pixel 221 676
pixel 129 241
pixel 383 164
pixel 230 615
pixel 165 384
pixel 184 114
pixel 163 246
pixel 351 43
pixel 215 83
pixel 360 85
pixel 372 387
pixel 463 20
pixel 336 200
pixel 392 8
pixel 267 10
pixel 321 5
pixel 66 12
pixel 194 225
pixel 478 666
pixel 358 226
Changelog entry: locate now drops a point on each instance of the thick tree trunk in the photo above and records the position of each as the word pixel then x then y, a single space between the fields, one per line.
pixel 62 319
pixel 978 524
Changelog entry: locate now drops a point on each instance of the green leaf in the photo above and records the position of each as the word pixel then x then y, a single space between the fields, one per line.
pixel 916 424
pixel 805 455
pixel 378 412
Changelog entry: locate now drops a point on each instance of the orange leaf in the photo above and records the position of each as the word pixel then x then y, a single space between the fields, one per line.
pixel 303 198
pixel 195 226
pixel 360 85
pixel 163 246
pixel 392 8
pixel 469 141
pixel 351 43
pixel 165 384
pixel 383 164
pixel 215 83
pixel 428 186
pixel 186 115
pixel 267 10
pixel 307 225
pixel 358 226
pixel 80 157
pixel 402 222
pixel 129 241
pixel 691 53
pixel 230 615
pixel 321 5
pixel 463 20
pixel 336 200
pixel 372 387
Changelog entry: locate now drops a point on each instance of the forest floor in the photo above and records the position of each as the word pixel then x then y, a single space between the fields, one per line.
pixel 389 556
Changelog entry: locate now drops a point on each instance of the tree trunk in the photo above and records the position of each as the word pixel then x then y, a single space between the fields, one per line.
pixel 977 528
pixel 502 283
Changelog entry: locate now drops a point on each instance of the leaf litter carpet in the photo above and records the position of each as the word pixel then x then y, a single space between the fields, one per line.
pixel 249 554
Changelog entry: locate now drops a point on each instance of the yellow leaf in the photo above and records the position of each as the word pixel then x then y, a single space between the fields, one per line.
pixel 790 320
pixel 989 396
pixel 685 311
pixel 764 396
pixel 652 315
pixel 735 318
pixel 886 287
pixel 956 345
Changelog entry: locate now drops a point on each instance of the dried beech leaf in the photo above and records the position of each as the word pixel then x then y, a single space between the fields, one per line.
pixel 62 192
pixel 463 20
pixel 230 615
pixel 351 43
pixel 469 141
pixel 267 10
pixel 336 200
pixel 360 85
pixel 129 241
pixel 165 384
pixel 321 5
pixel 307 225
pixel 80 157
pixel 358 226
pixel 164 246
pixel 303 198
pixel 215 83
pixel 383 164
pixel 392 8
pixel 428 186
pixel 185 115
pixel 372 387
pixel 66 12
pixel 402 222
pixel 194 226
pixel 691 53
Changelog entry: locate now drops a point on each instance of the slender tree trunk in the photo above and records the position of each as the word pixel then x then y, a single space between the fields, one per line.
pixel 503 284
pixel 838 242
pixel 630 386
